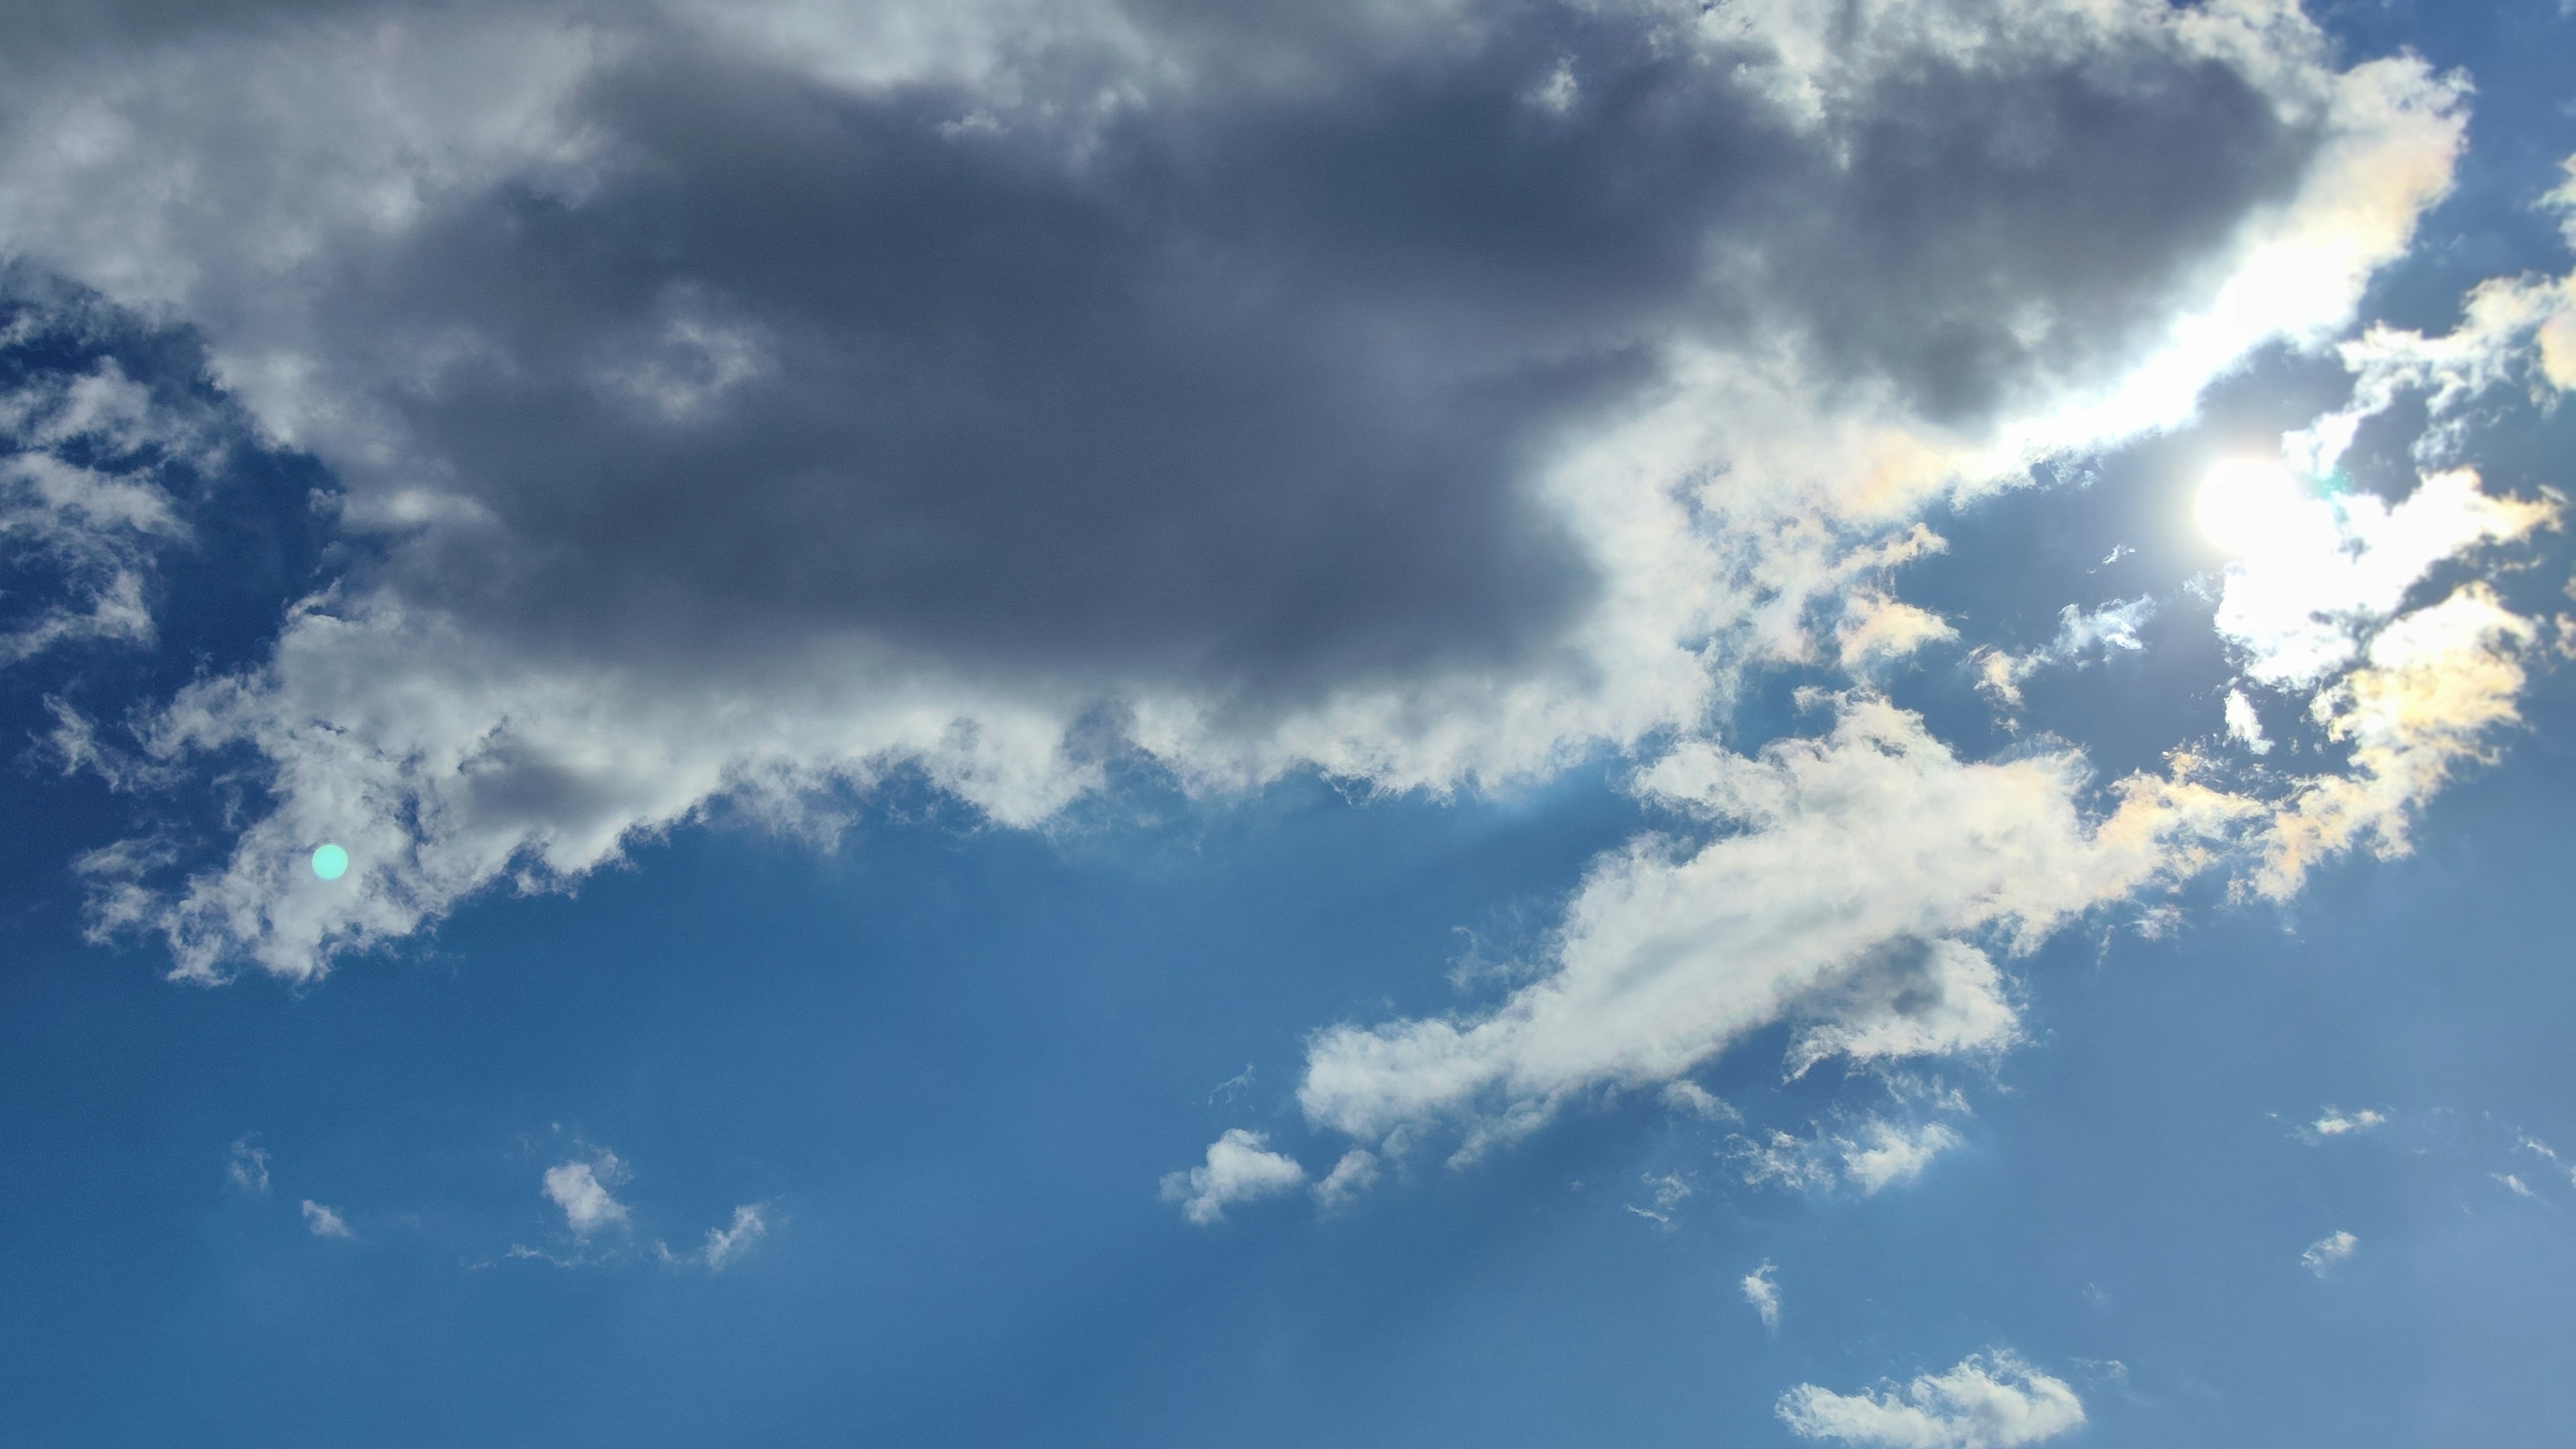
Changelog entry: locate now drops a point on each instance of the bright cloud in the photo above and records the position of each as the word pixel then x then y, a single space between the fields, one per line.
pixel 725 1245
pixel 1763 1292
pixel 322 1222
pixel 1870 1154
pixel 1240 1168
pixel 2332 1123
pixel 581 1188
pixel 2325 1253
pixel 1989 1401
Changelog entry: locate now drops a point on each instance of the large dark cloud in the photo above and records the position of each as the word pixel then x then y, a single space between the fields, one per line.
pixel 1244 382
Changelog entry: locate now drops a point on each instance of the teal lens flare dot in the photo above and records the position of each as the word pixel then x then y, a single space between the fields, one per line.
pixel 330 862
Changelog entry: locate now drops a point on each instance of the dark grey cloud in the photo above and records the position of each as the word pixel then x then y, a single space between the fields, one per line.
pixel 1244 384
pixel 745 400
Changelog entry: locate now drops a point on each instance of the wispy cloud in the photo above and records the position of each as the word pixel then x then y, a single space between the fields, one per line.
pixel 1762 1290
pixel 323 1222
pixel 246 1167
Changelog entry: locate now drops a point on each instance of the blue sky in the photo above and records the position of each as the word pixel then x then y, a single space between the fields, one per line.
pixel 1414 725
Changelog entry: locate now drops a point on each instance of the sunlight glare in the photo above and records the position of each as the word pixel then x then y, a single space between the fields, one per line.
pixel 2245 503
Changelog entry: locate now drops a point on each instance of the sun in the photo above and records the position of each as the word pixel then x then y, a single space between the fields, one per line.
pixel 2246 503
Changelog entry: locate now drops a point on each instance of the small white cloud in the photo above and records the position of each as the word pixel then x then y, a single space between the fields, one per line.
pixel 1227 1090
pixel 1671 1191
pixel 581 1190
pixel 1989 1401
pixel 1240 1167
pixel 1349 1178
pixel 2512 1184
pixel 724 1245
pixel 2333 1123
pixel 2537 1148
pixel 247 1167
pixel 2245 726
pixel 2323 1254
pixel 1763 1292
pixel 1874 1154
pixel 322 1222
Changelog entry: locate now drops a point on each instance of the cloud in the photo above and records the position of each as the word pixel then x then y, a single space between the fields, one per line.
pixel 2244 725
pixel 1354 1174
pixel 89 459
pixel 725 1245
pixel 2112 626
pixel 1764 1294
pixel 1671 1190
pixel 246 1167
pixel 1686 1096
pixel 1870 1154
pixel 1992 1400
pixel 2513 1184
pixel 1256 392
pixel 2330 569
pixel 2333 1123
pixel 2325 1253
pixel 1240 1168
pixel 322 1222
pixel 1842 862
pixel 2438 682
pixel 581 1189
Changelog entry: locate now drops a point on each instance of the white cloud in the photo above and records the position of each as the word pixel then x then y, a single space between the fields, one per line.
pixel 2333 1123
pixel 1239 1168
pixel 1672 1189
pixel 1870 1154
pixel 247 1167
pixel 322 1222
pixel 2328 1251
pixel 1989 1401
pixel 1354 1174
pixel 726 1245
pixel 1843 850
pixel 2332 568
pixel 2245 726
pixel 1915 998
pixel 581 1188
pixel 1763 1292
pixel 2514 1184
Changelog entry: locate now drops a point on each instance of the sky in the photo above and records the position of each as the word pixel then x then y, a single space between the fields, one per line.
pixel 1383 722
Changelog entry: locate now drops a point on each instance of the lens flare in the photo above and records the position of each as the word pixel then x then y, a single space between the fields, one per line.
pixel 330 862
pixel 2246 503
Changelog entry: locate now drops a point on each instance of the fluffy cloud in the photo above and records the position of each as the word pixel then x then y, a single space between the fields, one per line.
pixel 1989 1401
pixel 1241 1168
pixel 322 1222
pixel 1838 869
pixel 1186 403
pixel 581 1189
pixel 2328 1251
